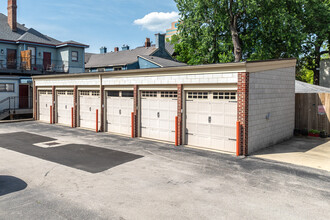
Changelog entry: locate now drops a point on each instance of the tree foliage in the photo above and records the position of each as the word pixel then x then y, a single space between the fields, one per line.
pixel 213 31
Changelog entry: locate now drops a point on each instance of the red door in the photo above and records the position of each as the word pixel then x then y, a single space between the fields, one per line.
pixel 23 96
pixel 47 61
pixel 11 58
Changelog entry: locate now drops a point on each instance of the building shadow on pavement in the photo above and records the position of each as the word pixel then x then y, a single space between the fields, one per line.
pixel 11 184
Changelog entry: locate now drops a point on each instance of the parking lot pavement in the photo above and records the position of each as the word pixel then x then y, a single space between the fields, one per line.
pixel 303 151
pixel 162 182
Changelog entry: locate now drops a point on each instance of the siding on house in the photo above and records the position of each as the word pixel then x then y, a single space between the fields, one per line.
pixel 271 93
pixel 144 64
pixel 4 95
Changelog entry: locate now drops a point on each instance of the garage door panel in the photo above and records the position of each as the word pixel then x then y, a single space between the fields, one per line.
pixel 217 108
pixel 64 105
pixel 218 119
pixel 230 119
pixel 45 101
pixel 230 145
pixel 158 117
pixel 217 143
pixel 119 111
pixel 211 120
pixel 87 110
pixel 230 132
pixel 217 131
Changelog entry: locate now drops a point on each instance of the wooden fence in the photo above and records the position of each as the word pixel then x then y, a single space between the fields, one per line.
pixel 313 111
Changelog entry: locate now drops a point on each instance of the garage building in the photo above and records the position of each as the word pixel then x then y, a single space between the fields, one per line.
pixel 197 106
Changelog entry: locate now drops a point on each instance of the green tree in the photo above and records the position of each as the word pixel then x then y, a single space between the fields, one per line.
pixel 213 31
pixel 315 17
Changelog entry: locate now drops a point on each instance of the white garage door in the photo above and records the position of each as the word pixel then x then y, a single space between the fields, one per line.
pixel 64 105
pixel 45 101
pixel 89 101
pixel 120 105
pixel 158 112
pixel 211 120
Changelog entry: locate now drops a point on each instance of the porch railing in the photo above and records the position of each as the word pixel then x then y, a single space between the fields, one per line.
pixel 14 103
pixel 36 64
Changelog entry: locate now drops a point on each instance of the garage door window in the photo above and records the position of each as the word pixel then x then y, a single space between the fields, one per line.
pixel 197 95
pixel 45 92
pixel 225 95
pixel 127 94
pixel 149 94
pixel 169 94
pixel 113 93
pixel 84 93
pixel 61 92
pixel 95 93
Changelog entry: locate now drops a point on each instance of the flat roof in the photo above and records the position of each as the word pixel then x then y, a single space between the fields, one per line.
pixel 247 66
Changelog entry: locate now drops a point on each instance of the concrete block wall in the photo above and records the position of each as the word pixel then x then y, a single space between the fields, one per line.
pixel 271 93
pixel 177 79
pixel 226 78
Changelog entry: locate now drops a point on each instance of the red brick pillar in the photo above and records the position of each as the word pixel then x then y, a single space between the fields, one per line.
pixel 243 110
pixel 75 106
pixel 102 109
pixel 136 111
pixel 53 104
pixel 35 102
pixel 179 114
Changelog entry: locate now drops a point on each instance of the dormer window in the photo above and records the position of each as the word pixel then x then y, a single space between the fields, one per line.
pixel 74 56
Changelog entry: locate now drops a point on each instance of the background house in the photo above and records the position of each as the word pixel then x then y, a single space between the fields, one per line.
pixel 148 56
pixel 25 52
pixel 172 31
pixel 325 73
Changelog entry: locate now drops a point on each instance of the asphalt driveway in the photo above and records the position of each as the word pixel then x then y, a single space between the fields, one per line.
pixel 139 179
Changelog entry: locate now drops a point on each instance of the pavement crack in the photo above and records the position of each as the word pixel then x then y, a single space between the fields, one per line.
pixel 46 174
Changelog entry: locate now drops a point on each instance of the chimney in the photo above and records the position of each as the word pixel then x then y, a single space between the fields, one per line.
pixel 12 14
pixel 160 41
pixel 125 47
pixel 147 43
pixel 116 49
pixel 103 50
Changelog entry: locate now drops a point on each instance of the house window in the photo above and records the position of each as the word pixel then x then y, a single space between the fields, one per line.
pixel 117 68
pixel 74 56
pixel 6 87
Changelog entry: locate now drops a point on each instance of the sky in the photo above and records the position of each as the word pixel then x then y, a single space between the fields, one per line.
pixel 110 23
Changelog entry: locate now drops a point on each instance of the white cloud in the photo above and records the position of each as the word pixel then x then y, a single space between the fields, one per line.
pixel 157 21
